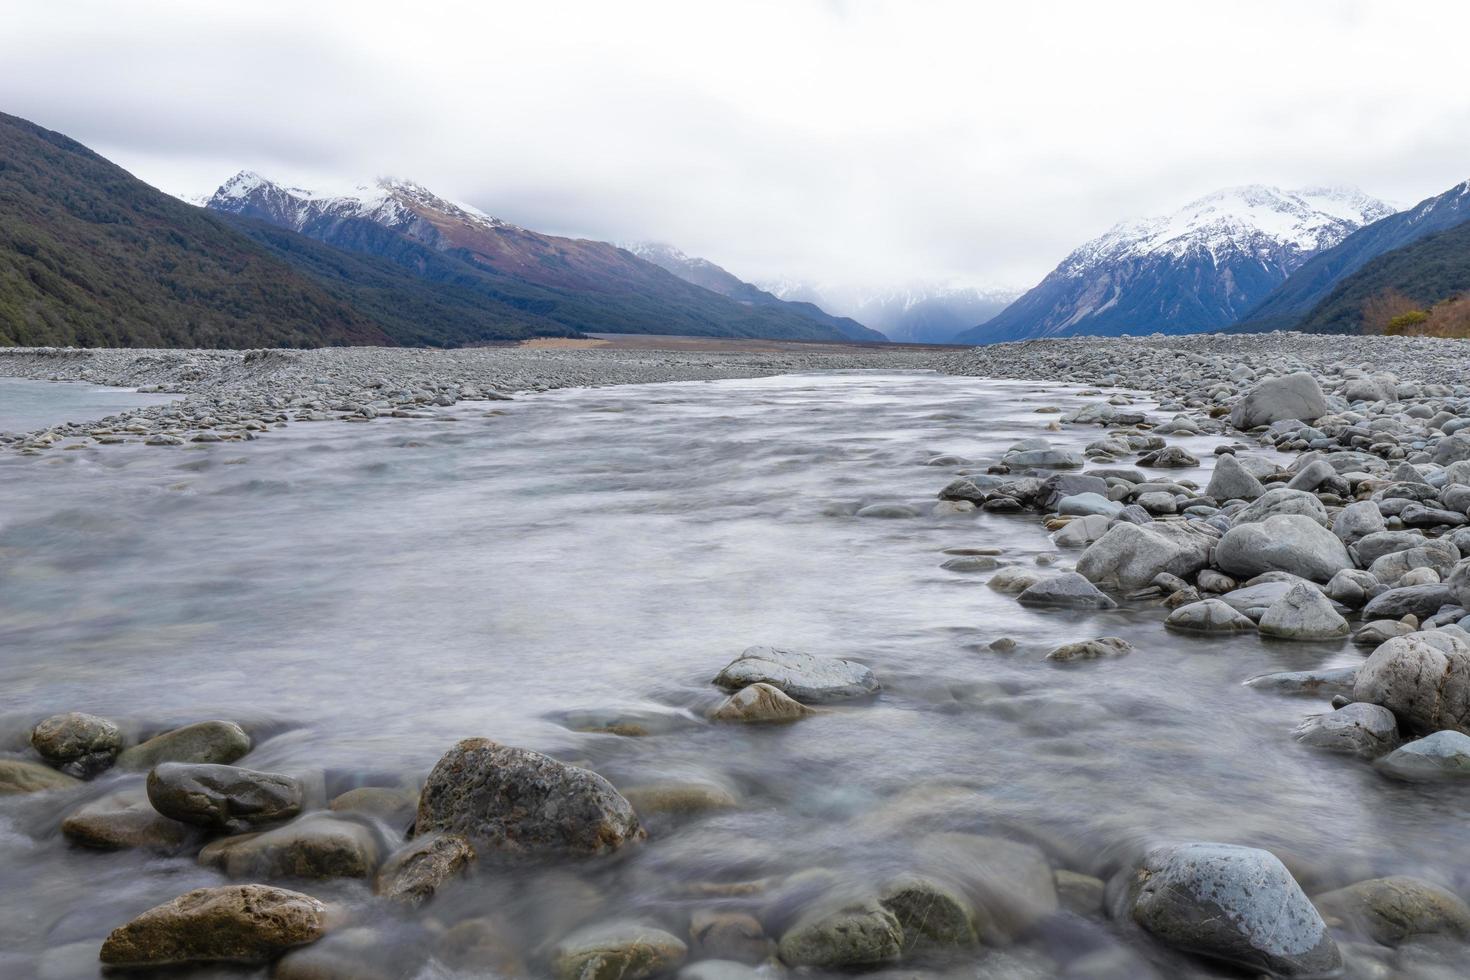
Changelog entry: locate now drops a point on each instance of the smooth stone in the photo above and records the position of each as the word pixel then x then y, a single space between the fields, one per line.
pixel 1361 729
pixel 1438 755
pixel 1009 884
pixel 1080 532
pixel 219 742
pixel 727 934
pixel 1281 502
pixel 232 924
pixel 1236 904
pixel 971 563
pixel 19 776
pixel 78 744
pixel 417 870
pixel 1395 910
pixel 1209 616
pixel 803 676
pixel 1288 543
pixel 354 953
pixel 318 845
pixel 1423 678
pixel 1104 646
pixel 1380 631
pixel 1304 613
pixel 1292 397
pixel 223 797
pixel 1374 546
pixel 1229 480
pixel 932 915
pixel 1013 579
pixel 515 802
pixel 1091 504
pixel 1358 520
pixel 1079 893
pixel 843 936
pixel 683 798
pixel 1421 601
pixel 1131 556
pixel 392 804
pixel 123 820
pixel 720 970
pixel 760 704
pixel 617 951
pixel 887 511
pixel 1066 590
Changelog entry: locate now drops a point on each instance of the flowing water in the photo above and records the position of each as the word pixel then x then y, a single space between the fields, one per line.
pixel 360 597
pixel 29 405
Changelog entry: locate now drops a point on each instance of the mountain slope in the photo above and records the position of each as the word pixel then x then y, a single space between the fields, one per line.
pixel 1316 279
pixel 92 256
pixel 708 275
pixel 1416 276
pixel 576 283
pixel 1198 269
pixel 921 313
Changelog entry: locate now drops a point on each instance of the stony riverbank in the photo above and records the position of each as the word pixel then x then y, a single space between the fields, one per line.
pixel 232 395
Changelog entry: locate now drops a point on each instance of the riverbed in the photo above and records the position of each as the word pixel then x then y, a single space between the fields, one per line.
pixel 361 596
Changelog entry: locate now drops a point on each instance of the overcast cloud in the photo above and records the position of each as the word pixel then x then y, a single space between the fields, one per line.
pixel 849 142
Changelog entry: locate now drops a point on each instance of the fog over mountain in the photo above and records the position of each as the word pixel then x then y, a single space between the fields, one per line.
pixel 878 144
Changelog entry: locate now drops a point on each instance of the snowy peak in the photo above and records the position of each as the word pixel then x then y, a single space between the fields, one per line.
pixel 389 201
pixel 1254 219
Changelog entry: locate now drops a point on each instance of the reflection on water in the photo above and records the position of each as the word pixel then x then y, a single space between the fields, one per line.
pixel 361 597
pixel 29 405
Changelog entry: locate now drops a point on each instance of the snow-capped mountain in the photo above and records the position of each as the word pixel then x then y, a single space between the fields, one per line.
pixel 917 313
pixel 708 275
pixel 1200 268
pixel 582 284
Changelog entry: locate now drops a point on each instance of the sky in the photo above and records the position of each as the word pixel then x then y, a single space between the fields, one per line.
pixel 856 143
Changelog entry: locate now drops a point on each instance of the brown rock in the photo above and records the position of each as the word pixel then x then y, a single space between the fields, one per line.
pixel 18 776
pixel 233 924
pixel 414 872
pixel 760 703
pixel 124 820
pixel 718 934
pixel 78 744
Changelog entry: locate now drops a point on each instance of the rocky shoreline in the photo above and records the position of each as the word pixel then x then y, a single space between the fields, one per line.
pixel 1338 507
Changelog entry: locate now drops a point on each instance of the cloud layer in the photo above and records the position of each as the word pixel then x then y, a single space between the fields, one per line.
pixel 850 142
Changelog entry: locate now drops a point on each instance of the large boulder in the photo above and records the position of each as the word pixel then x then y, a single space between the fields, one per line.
pixel 1281 501
pixel 1295 396
pixel 1131 556
pixel 1304 613
pixel 1395 910
pixel 78 744
pixel 223 797
pixel 234 924
pixel 617 951
pixel 806 677
pixel 1423 678
pixel 220 742
pixel 1236 904
pixel 1286 543
pixel 514 802
pixel 1422 601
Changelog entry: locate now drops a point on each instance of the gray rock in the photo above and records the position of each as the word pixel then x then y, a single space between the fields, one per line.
pixel 1374 546
pixel 1358 520
pixel 1352 587
pixel 1304 613
pixel 1422 601
pixel 1131 556
pixel 318 845
pixel 222 797
pixel 1312 476
pixel 1254 600
pixel 1379 630
pixel 1438 755
pixel 1361 729
pixel 1280 502
pixel 1158 502
pixel 1289 543
pixel 207 741
pixel 887 511
pixel 1045 458
pixel 1081 532
pixel 78 744
pixel 1169 456
pixel 807 678
pixel 1208 616
pixel 1013 580
pixel 1237 904
pixel 1423 678
pixel 1089 505
pixel 1069 590
pixel 1295 396
pixel 1458 583
pixel 511 801
pixel 1231 481
pixel 623 950
pixel 931 914
pixel 971 563
pixel 234 924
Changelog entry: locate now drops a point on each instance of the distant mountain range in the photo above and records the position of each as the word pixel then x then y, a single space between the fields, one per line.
pixel 1200 268
pixel 563 283
pixel 917 314
pixel 704 273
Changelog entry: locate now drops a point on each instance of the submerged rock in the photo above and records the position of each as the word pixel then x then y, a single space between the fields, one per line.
pixel 1103 646
pixel 234 924
pixel 124 820
pixel 842 937
pixel 1365 730
pixel 222 797
pixel 19 776
pixel 318 845
pixel 760 704
pixel 1395 910
pixel 931 914
pixel 1440 755
pixel 78 744
pixel 1317 683
pixel 617 951
pixel 416 871
pixel 207 741
pixel 803 676
pixel 1237 904
pixel 511 801
pixel 1068 590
